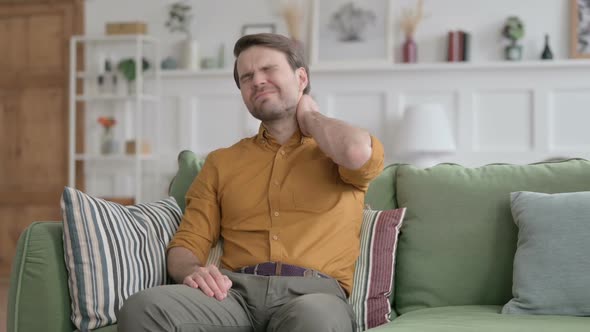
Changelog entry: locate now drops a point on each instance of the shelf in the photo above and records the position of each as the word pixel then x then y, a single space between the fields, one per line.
pixel 113 157
pixel 107 97
pixel 452 66
pixel 179 73
pixel 116 38
pixel 94 75
pixel 387 67
pixel 129 94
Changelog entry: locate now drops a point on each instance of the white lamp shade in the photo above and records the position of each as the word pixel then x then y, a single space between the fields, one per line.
pixel 425 129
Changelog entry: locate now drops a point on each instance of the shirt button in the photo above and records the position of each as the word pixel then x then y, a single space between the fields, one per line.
pixel 282 152
pixel 276 214
pixel 263 141
pixel 275 237
pixel 276 182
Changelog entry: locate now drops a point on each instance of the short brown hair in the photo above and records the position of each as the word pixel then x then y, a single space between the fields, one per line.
pixel 292 50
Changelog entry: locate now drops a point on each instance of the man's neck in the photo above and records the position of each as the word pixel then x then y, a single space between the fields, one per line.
pixel 282 130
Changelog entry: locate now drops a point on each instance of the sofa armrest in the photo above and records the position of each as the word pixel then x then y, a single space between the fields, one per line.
pixel 38 298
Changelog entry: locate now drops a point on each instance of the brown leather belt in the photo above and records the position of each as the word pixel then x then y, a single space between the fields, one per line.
pixel 280 269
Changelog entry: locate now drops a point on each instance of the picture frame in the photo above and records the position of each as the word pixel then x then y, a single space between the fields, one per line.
pixel 580 29
pixel 351 32
pixel 250 29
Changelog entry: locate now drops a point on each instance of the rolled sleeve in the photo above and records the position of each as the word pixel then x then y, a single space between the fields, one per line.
pixel 361 177
pixel 199 228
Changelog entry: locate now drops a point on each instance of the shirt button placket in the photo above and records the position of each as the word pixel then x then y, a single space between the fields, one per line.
pixel 274 192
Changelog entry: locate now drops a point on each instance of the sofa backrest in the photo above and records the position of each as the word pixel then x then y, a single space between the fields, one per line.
pixel 458 239
pixel 381 193
pixel 189 165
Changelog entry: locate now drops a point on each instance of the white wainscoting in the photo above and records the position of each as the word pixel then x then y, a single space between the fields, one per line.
pixel 499 112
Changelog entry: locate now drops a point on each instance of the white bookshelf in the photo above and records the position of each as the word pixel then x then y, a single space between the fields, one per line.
pixel 127 107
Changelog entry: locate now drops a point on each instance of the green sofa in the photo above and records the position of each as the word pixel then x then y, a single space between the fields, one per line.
pixel 453 264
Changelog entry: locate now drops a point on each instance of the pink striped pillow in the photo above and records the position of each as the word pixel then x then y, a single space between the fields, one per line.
pixel 374 270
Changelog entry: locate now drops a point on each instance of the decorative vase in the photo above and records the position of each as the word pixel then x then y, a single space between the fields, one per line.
pixel 190 54
pixel 547 53
pixel 513 52
pixel 131 88
pixel 410 50
pixel 107 141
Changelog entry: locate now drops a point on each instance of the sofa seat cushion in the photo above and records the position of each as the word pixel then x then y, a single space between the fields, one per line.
pixel 481 319
pixel 110 328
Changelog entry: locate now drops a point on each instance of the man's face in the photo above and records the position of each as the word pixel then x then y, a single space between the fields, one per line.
pixel 270 88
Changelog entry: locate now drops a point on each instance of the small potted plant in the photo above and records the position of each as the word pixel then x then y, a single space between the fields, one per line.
pixel 107 139
pixel 127 69
pixel 514 31
pixel 179 20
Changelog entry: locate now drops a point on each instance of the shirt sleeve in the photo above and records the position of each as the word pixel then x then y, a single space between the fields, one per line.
pixel 200 224
pixel 361 177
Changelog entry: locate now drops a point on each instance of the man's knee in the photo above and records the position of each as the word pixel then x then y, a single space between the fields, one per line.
pixel 141 312
pixel 313 312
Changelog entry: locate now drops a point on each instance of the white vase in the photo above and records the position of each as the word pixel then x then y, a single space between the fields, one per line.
pixel 190 54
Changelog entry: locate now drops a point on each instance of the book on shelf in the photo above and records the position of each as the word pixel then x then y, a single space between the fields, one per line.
pixel 458 46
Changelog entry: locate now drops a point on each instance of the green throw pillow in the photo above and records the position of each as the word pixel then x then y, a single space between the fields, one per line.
pixel 551 265
pixel 189 165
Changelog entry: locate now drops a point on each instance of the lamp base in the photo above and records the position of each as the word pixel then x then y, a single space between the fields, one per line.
pixel 425 160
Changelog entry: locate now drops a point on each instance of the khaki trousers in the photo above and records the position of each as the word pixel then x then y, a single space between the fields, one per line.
pixel 254 303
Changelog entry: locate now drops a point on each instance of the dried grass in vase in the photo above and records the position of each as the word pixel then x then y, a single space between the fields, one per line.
pixel 292 13
pixel 411 18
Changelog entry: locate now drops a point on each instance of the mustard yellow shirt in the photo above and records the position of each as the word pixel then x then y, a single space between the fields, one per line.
pixel 288 203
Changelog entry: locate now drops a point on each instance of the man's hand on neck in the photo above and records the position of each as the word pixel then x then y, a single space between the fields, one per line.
pixel 347 146
pixel 305 108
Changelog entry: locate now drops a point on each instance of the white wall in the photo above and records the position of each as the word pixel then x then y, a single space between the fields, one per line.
pixel 214 23
pixel 500 112
pixel 219 22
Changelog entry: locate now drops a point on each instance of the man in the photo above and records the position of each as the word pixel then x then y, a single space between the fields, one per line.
pixel 288 204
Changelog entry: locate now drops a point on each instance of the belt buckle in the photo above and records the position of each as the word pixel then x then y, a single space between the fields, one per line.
pixel 308 273
pixel 278 268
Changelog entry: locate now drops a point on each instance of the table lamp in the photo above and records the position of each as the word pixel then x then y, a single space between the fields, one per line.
pixel 424 134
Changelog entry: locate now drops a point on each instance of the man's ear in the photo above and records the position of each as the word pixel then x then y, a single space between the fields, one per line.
pixel 302 78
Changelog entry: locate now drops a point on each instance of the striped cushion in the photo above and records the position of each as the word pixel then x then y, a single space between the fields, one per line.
pixel 112 251
pixel 373 275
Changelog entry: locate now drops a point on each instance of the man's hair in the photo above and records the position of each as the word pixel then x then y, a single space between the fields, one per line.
pixel 292 50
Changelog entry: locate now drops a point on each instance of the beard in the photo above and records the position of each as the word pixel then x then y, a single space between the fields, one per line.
pixel 276 107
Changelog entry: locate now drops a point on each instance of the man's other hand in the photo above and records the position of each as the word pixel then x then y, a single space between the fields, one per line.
pixel 305 106
pixel 210 281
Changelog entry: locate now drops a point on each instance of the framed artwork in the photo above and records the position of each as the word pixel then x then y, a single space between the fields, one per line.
pixel 580 29
pixel 250 29
pixel 351 31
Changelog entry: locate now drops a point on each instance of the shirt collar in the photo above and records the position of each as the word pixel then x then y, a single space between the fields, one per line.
pixel 264 138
